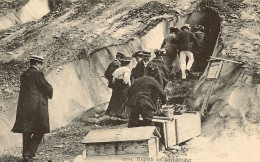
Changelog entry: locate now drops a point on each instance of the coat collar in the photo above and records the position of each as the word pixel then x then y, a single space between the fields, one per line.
pixel 33 66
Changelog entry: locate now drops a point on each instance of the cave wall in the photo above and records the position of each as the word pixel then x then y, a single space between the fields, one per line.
pixel 32 11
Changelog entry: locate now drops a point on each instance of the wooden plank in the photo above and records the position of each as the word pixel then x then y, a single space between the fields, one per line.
pixel 153 145
pixel 161 124
pixel 188 126
pixel 165 135
pixel 116 158
pixel 162 118
pixel 218 58
pixel 204 106
pixel 117 148
pixel 171 133
pixel 167 131
pixel 116 135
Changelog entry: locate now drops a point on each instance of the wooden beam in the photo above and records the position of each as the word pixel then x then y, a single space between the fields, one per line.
pixel 218 58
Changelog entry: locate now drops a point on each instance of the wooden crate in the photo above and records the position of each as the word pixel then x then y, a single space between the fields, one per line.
pixel 178 129
pixel 139 141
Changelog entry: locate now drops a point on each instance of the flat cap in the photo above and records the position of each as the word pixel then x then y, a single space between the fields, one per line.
pixel 146 53
pixel 138 54
pixel 126 59
pixel 36 58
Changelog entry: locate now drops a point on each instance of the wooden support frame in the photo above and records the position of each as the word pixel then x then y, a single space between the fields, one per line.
pixel 214 75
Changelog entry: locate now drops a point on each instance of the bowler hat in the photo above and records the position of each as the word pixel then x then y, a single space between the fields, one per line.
pixel 36 58
pixel 174 29
pixel 187 26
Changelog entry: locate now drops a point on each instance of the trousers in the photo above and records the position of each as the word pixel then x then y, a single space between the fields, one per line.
pixel 146 114
pixel 183 65
pixel 31 142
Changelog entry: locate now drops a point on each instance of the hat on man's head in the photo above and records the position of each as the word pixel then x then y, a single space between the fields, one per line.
pixel 120 54
pixel 146 53
pixel 138 54
pixel 126 59
pixel 156 51
pixel 187 26
pixel 36 58
pixel 174 29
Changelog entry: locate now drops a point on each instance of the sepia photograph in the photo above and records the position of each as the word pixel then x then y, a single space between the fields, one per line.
pixel 129 80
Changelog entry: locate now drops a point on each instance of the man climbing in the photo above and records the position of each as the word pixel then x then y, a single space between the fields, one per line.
pixel 32 118
pixel 170 45
pixel 142 98
pixel 141 68
pixel 163 68
pixel 112 67
pixel 185 40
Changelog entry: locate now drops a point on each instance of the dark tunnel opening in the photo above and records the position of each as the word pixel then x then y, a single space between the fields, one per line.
pixel 211 22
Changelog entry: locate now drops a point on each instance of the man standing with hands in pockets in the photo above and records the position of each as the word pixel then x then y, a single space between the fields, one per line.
pixel 32 118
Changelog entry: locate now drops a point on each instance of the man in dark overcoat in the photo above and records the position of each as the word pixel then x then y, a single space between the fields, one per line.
pixel 141 68
pixel 32 118
pixel 163 68
pixel 112 67
pixel 142 98
pixel 185 40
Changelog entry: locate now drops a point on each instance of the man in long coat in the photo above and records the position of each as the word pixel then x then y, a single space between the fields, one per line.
pixel 163 68
pixel 32 118
pixel 142 98
pixel 112 67
pixel 141 68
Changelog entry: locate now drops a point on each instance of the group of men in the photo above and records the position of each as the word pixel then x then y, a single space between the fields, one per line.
pixel 180 45
pixel 149 77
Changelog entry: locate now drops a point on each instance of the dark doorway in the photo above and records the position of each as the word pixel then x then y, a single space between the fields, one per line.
pixel 211 22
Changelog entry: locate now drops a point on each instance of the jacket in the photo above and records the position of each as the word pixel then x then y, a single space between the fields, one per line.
pixel 140 70
pixel 164 70
pixel 144 93
pixel 32 110
pixel 185 40
pixel 109 71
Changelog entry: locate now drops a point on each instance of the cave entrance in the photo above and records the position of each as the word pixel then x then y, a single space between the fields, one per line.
pixel 211 22
pixel 210 19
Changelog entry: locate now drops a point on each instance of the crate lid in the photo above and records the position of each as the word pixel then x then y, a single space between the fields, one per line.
pixel 122 134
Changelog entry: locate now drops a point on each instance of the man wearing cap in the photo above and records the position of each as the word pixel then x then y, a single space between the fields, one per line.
pixel 112 67
pixel 32 118
pixel 142 98
pixel 163 68
pixel 141 68
pixel 185 40
pixel 138 55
